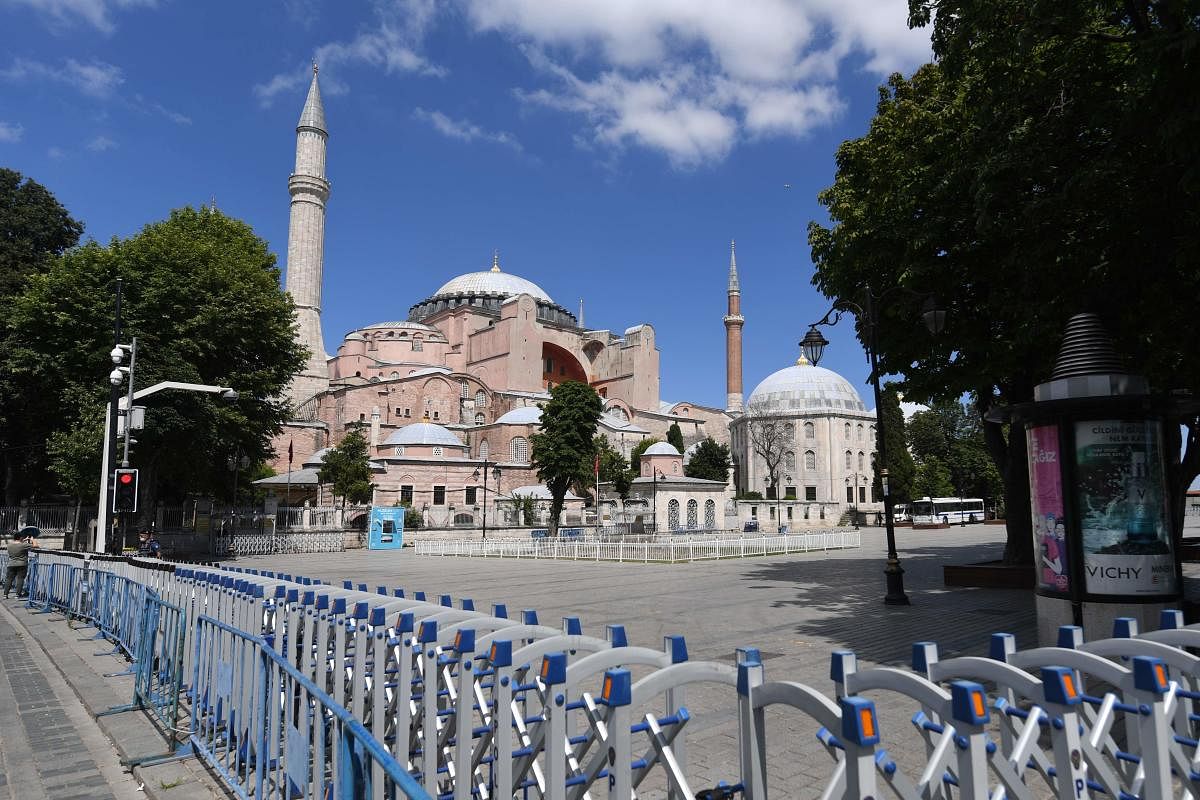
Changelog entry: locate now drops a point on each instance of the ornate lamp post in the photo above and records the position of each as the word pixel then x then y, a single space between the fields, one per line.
pixel 496 475
pixel 814 345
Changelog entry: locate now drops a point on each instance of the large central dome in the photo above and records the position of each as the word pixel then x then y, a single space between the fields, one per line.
pixel 491 282
pixel 806 389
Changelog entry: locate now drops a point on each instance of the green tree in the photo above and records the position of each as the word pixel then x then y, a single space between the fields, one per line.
pixel 709 461
pixel 412 519
pixel 675 437
pixel 34 228
pixel 614 468
pixel 347 470
pixel 950 432
pixel 635 455
pixel 1045 165
pixel 933 479
pixel 564 448
pixel 202 296
pixel 900 462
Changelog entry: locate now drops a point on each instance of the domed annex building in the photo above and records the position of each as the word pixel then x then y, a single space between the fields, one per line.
pixel 811 423
pixel 450 394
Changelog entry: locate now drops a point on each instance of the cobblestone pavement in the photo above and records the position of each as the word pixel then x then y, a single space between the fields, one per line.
pixel 795 609
pixel 50 749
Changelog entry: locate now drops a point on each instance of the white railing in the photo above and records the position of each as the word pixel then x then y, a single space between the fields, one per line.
pixel 662 551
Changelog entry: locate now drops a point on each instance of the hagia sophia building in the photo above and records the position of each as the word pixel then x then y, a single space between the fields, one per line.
pixel 452 393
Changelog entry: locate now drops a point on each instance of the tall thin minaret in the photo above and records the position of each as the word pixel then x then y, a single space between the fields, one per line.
pixel 306 243
pixel 733 338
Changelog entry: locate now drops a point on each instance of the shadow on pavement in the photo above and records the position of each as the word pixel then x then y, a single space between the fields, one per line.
pixel 843 602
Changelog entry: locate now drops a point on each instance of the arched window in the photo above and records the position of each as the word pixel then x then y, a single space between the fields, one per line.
pixel 418 344
pixel 479 419
pixel 673 515
pixel 860 431
pixel 790 429
pixel 675 468
pixel 847 431
pixel 872 433
pixel 480 399
pixel 810 431
pixel 789 460
pixel 395 375
pixel 520 449
pixel 861 457
pixel 849 460
pixel 810 459
pixel 710 514
pixel 693 518
pixel 464 391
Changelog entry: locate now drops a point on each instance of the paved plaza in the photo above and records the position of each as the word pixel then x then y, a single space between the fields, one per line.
pixel 795 609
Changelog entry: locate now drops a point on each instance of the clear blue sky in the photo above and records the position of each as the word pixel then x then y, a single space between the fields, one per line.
pixel 610 149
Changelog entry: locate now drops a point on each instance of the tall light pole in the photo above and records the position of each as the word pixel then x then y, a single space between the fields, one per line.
pixel 814 347
pixel 496 475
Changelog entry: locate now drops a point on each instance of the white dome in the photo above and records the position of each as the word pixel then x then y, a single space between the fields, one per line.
pixel 661 449
pixel 805 388
pixel 401 325
pixel 423 433
pixel 492 282
pixel 526 415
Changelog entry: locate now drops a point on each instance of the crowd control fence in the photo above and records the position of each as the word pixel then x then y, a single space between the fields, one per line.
pixel 300 689
pixel 663 550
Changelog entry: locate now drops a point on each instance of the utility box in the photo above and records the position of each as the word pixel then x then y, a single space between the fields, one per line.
pixel 386 528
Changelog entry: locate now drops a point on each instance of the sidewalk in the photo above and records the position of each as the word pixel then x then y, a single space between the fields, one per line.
pixel 51 745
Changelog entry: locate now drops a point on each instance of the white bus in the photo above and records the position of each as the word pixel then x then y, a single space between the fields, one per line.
pixel 953 510
pixel 901 513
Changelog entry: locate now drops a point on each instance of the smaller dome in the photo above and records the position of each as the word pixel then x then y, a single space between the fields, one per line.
pixel 661 449
pixel 423 433
pixel 355 336
pixel 400 325
pixel 526 415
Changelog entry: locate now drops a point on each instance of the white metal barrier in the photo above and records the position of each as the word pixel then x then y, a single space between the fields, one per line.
pixel 662 550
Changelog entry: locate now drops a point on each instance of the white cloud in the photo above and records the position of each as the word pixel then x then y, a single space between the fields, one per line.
pixel 56 153
pixel 691 79
pixel 465 130
pixel 11 132
pixel 391 42
pixel 97 78
pixel 101 143
pixel 97 13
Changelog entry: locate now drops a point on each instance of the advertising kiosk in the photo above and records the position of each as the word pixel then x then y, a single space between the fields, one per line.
pixel 385 530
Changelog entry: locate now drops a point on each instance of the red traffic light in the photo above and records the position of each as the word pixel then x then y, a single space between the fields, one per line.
pixel 125 478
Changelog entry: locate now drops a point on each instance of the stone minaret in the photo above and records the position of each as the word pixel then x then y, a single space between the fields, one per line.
pixel 306 243
pixel 733 338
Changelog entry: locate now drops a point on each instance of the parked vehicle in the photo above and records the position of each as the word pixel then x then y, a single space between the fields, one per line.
pixel 947 510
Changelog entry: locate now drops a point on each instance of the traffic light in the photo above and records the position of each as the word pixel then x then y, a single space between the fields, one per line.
pixel 125 490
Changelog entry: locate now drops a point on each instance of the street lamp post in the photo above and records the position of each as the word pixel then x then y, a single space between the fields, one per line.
pixel 655 475
pixel 814 344
pixel 496 475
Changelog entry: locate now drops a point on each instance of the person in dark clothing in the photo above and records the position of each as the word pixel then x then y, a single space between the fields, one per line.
pixel 148 546
pixel 18 559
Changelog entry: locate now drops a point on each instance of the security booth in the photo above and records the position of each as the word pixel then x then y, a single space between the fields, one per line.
pixel 1104 537
pixel 385 530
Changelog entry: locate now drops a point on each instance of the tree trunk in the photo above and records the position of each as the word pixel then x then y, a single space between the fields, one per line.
pixel 556 506
pixel 1010 457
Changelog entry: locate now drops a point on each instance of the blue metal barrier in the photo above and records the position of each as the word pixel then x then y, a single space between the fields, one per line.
pixel 270 732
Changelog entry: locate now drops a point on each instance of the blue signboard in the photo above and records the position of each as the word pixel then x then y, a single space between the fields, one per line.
pixel 386 530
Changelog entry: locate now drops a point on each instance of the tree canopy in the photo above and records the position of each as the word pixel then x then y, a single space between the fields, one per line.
pixel 1044 166
pixel 346 468
pixel 675 437
pixel 34 228
pixel 901 470
pixel 949 438
pixel 564 449
pixel 709 461
pixel 202 296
